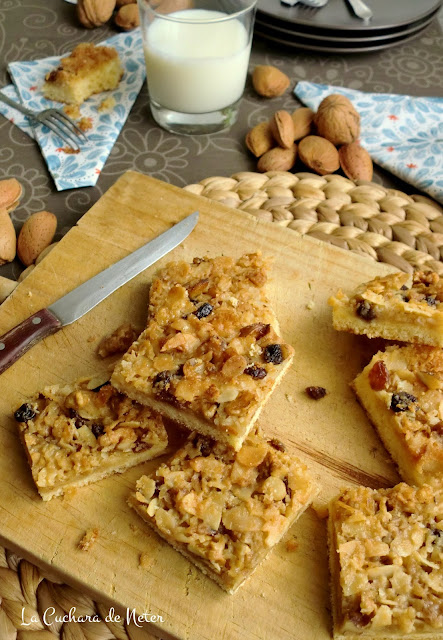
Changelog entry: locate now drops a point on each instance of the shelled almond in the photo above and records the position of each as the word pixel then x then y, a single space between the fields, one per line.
pixel 326 140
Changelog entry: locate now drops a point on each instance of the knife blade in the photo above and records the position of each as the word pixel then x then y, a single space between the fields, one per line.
pixel 360 9
pixel 85 297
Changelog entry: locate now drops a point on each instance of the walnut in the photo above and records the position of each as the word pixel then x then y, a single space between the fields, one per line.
pixel 337 120
pixel 94 13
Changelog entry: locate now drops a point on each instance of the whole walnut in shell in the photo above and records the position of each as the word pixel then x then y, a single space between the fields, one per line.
pixel 94 13
pixel 337 120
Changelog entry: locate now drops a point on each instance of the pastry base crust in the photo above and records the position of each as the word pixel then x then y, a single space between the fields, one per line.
pixel 224 511
pixel 411 432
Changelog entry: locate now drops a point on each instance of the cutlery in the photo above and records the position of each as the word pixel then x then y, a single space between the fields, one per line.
pixel 54 119
pixel 79 301
pixel 307 3
pixel 360 9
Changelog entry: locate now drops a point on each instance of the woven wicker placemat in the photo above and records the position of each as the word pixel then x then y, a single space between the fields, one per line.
pixel 26 594
pixel 384 224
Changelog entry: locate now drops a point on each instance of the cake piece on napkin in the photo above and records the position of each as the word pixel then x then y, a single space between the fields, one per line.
pixel 87 70
pixel 401 390
pixel 398 306
pixel 386 562
pixel 211 353
pixel 74 435
pixel 224 510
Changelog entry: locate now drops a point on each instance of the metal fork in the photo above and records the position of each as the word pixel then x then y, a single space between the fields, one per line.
pixel 55 120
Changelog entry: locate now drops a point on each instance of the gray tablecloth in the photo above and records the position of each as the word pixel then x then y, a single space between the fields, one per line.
pixel 31 29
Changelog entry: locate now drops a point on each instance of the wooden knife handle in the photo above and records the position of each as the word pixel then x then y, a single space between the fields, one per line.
pixel 22 337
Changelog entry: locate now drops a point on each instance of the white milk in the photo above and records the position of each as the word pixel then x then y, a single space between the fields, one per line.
pixel 194 68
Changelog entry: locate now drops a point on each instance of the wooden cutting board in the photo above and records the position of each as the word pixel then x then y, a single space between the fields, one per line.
pixel 288 595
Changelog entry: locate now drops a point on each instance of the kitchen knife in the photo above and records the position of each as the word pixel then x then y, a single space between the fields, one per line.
pixel 360 9
pixel 79 301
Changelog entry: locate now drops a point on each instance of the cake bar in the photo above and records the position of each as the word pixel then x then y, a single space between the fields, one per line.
pixel 398 306
pixel 386 563
pixel 74 435
pixel 401 390
pixel 225 510
pixel 87 70
pixel 211 354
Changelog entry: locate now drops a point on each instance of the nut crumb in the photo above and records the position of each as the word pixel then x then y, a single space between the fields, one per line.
pixel 145 561
pixel 292 544
pixel 316 393
pixel 290 398
pixel 118 341
pixel 85 124
pixel 107 104
pixel 69 150
pixel 88 539
pixel 310 305
pixel 72 111
pixel 90 339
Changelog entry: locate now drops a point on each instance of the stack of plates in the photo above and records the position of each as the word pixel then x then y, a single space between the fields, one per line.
pixel 335 28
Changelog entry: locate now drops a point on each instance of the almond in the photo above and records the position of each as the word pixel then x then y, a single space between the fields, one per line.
pixel 303 120
pixel 7 286
pixel 127 17
pixel 35 235
pixel 355 162
pixel 282 129
pixel 278 159
pixel 7 238
pixel 319 154
pixel 94 13
pixel 269 82
pixel 10 193
pixel 259 139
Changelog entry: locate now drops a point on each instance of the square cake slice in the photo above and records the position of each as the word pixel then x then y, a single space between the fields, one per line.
pixel 386 563
pixel 74 435
pixel 401 390
pixel 225 510
pixel 211 354
pixel 88 69
pixel 398 306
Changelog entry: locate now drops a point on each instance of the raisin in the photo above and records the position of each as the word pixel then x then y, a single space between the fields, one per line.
pixel 404 287
pixel 277 444
pixel 365 310
pixel 360 619
pixel 431 301
pixel 162 380
pixel 255 372
pixel 259 330
pixel 204 311
pixel 316 393
pixel 273 353
pixel 97 429
pixel 24 413
pixel 401 401
pixel 78 420
pixel 288 488
pixel 379 376
pixel 204 444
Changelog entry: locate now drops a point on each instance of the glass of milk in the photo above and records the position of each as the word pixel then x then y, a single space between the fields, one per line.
pixel 197 55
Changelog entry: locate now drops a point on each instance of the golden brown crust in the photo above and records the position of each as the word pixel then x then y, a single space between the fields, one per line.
pixel 74 435
pixel 386 551
pixel 396 307
pixel 402 391
pixel 88 69
pixel 211 354
pixel 225 510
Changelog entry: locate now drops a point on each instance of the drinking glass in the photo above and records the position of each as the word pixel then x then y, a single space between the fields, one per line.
pixel 197 55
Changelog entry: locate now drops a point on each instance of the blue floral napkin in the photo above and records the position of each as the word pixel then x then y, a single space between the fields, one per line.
pixel 83 169
pixel 402 134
